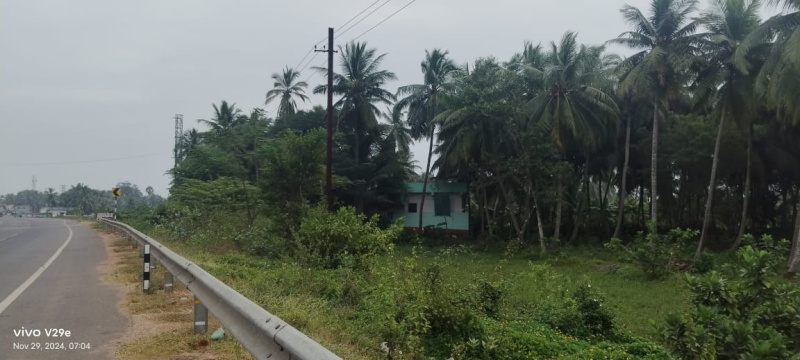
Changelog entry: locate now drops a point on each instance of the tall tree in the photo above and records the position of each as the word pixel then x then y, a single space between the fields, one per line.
pixel 421 101
pixel 287 88
pixel 572 105
pixel 779 78
pixel 666 42
pixel 226 117
pixel 724 79
pixel 51 196
pixel 361 87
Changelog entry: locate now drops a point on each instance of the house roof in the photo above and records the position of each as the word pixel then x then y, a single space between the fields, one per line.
pixel 437 187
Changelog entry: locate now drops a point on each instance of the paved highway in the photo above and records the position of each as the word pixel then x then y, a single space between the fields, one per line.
pixel 53 301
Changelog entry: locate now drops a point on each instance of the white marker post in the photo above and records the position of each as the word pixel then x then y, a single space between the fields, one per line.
pixel 146 275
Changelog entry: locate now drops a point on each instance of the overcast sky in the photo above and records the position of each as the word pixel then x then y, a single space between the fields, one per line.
pixel 84 81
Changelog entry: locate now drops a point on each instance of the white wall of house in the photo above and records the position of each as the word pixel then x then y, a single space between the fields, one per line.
pixel 455 203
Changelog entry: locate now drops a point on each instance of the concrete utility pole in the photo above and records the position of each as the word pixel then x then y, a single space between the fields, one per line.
pixel 329 145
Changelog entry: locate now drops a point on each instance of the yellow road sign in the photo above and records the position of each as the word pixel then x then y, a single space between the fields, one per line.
pixel 115 192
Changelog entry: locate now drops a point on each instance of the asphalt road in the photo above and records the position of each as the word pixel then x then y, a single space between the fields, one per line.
pixel 49 284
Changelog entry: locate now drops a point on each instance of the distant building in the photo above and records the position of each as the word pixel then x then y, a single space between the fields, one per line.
pixel 22 209
pixel 54 211
pixel 446 207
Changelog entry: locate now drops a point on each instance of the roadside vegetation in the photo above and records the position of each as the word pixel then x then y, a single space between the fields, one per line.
pixel 612 199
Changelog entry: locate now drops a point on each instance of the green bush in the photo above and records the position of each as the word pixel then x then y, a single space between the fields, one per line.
pixel 745 312
pixel 582 315
pixel 342 238
pixel 653 253
pixel 522 340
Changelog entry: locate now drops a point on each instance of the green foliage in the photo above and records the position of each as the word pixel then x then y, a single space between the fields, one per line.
pixel 653 253
pixel 524 340
pixel 580 314
pixel 222 194
pixel 342 238
pixel 746 312
pixel 293 175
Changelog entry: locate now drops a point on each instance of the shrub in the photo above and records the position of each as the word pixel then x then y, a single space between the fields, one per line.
pixel 342 238
pixel 653 253
pixel 582 315
pixel 745 312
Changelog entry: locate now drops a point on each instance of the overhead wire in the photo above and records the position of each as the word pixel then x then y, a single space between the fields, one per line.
pixel 82 161
pixel 368 30
pixel 382 21
pixel 362 19
pixel 336 31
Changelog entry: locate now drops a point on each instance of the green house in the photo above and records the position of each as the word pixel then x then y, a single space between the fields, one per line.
pixel 446 206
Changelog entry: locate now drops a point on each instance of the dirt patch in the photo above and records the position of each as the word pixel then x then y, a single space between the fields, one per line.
pixel 119 252
pixel 160 323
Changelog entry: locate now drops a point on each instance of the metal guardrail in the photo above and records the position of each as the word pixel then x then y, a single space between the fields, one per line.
pixel 264 335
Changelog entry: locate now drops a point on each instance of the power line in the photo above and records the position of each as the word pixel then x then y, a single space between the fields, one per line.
pixel 337 30
pixel 364 18
pixel 304 57
pixel 354 17
pixel 309 62
pixel 81 161
pixel 382 21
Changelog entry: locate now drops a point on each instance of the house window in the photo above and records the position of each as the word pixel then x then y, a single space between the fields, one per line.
pixel 412 208
pixel 441 204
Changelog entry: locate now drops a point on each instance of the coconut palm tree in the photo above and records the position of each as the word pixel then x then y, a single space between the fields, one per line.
pixel 360 85
pixel 51 196
pixel 666 43
pixel 724 80
pixel 421 101
pixel 287 88
pixel 779 78
pixel 572 105
pixel 226 117
pixel 397 132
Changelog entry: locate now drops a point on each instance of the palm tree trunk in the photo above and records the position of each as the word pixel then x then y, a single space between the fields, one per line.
pixel 654 170
pixel 640 220
pixel 712 184
pixel 559 193
pixel 359 197
pixel 488 217
pixel 746 192
pixel 794 258
pixel 579 204
pixel 427 174
pixel 621 205
pixel 539 224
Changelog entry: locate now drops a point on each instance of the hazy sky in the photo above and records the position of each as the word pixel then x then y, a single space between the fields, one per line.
pixel 84 81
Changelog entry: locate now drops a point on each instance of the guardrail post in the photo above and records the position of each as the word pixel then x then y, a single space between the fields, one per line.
pixel 153 262
pixel 168 281
pixel 200 317
pixel 146 275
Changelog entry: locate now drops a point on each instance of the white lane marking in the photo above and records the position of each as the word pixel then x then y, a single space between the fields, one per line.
pixel 18 291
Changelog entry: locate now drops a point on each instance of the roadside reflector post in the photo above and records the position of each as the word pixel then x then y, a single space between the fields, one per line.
pixel 146 275
pixel 168 281
pixel 200 317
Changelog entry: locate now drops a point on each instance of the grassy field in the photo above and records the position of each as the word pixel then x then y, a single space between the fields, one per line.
pixel 302 296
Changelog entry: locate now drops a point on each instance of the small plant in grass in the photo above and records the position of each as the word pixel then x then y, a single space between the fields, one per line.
pixel 654 254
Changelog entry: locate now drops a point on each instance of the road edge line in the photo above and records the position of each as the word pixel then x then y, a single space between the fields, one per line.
pixel 24 286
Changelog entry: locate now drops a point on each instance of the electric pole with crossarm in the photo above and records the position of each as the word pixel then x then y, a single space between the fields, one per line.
pixel 329 144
